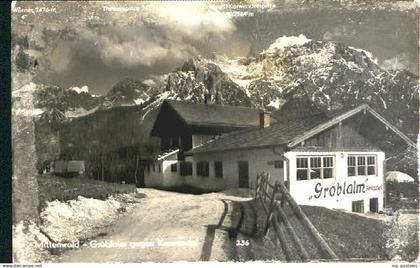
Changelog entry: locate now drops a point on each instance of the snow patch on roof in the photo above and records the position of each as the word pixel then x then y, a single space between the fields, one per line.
pixel 167 154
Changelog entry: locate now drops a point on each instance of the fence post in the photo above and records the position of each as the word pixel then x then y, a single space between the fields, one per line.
pixel 307 223
pixel 283 197
pixel 261 187
pixel 257 182
pixel 267 187
pixel 270 209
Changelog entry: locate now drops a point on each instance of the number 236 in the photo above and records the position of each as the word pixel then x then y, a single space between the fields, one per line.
pixel 242 243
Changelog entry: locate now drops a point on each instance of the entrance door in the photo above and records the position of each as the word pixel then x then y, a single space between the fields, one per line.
pixel 373 205
pixel 243 173
pixel 139 176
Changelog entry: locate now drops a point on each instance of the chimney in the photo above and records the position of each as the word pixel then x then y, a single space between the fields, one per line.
pixel 264 119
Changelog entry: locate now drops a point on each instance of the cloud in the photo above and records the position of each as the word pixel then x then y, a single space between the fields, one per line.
pixel 399 62
pixel 160 32
pixel 129 47
pixel 192 19
pixel 60 56
pixel 339 32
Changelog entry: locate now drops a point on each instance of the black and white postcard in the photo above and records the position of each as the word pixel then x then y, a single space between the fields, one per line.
pixel 199 131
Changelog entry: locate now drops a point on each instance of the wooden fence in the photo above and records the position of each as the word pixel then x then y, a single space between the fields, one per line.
pixel 273 198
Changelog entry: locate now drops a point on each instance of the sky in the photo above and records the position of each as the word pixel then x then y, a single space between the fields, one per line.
pixel 96 44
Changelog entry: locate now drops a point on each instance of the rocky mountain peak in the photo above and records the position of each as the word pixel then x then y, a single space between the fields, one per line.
pixel 294 68
pixel 129 92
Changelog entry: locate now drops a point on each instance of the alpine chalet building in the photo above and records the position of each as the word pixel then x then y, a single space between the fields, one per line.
pixel 326 159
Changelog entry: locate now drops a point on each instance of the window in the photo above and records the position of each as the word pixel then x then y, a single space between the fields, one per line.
pixel 278 163
pixel 153 167
pixel 218 169
pixel 361 165
pixel 358 206
pixel 185 168
pixel 174 167
pixel 174 141
pixel 314 167
pixel 371 165
pixel 159 168
pixel 351 166
pixel 302 168
pixel 328 167
pixel 203 169
pixel 148 167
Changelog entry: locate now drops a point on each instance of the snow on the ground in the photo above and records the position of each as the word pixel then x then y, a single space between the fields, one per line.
pixel 397 176
pixel 167 216
pixel 26 238
pixel 70 221
pixel 75 219
pixel 80 219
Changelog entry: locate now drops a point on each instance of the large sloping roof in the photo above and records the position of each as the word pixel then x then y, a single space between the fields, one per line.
pixel 277 134
pixel 200 114
pixel 288 133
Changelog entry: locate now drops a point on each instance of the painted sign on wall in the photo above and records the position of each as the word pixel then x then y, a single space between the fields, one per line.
pixel 343 188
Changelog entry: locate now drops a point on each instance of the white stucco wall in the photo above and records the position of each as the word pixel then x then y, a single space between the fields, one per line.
pixel 152 178
pixel 307 192
pixel 258 160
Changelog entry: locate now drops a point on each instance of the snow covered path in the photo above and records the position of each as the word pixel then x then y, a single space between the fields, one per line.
pixel 168 226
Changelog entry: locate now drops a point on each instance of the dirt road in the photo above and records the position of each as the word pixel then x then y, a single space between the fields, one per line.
pixel 168 226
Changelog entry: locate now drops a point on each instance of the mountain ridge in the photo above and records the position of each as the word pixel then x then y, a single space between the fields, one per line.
pixel 294 77
pixel 329 75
